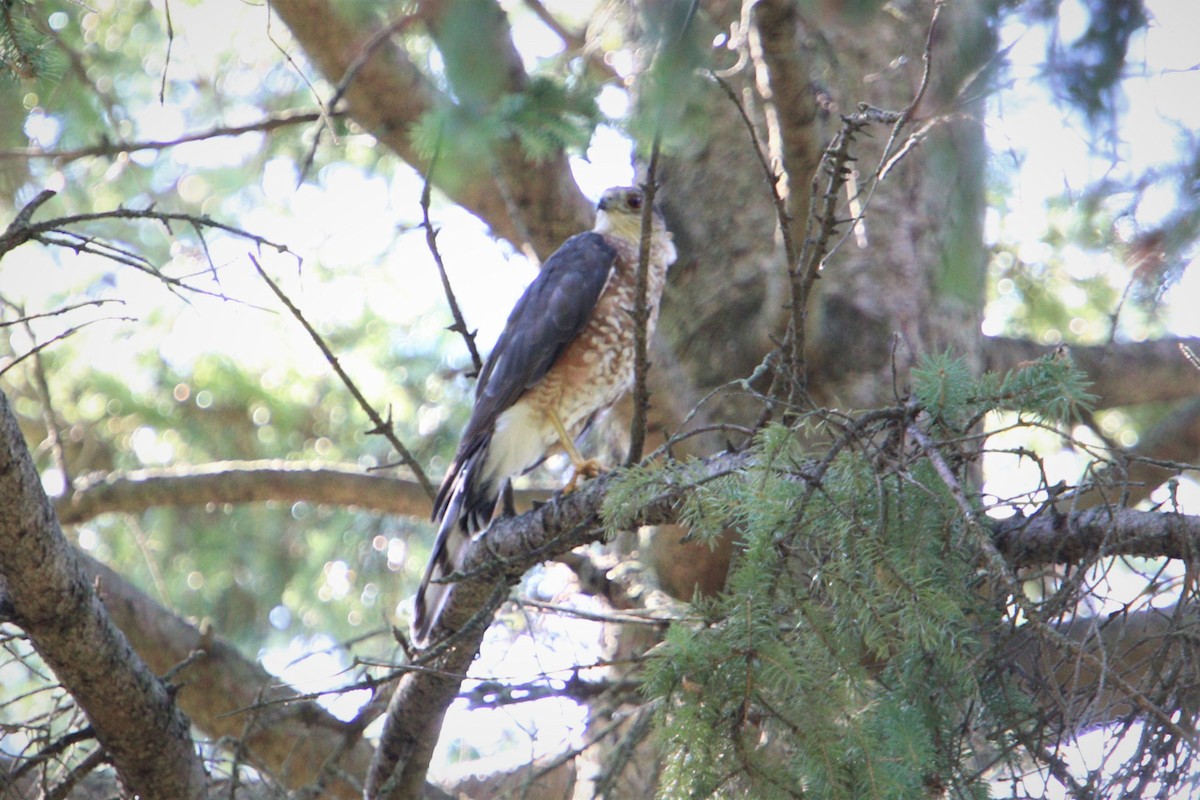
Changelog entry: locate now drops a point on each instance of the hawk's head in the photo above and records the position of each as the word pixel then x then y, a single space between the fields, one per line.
pixel 620 213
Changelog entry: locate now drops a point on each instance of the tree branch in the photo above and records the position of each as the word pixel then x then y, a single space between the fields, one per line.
pixel 1081 694
pixel 1055 538
pixel 267 124
pixel 1122 373
pixel 229 696
pixel 389 95
pixel 382 427
pixel 224 482
pixel 50 597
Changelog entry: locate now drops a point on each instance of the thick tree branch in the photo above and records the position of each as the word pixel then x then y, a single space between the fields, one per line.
pixel 1054 538
pixel 229 696
pixel 235 482
pixel 50 597
pixel 1122 373
pixel 389 95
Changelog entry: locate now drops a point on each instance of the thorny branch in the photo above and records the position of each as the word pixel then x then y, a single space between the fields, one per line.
pixel 641 312
pixel 804 266
pixel 382 427
pixel 33 352
pixel 55 232
pixel 431 233
pixel 898 120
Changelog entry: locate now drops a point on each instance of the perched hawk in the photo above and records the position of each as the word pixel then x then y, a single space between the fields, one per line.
pixel 566 352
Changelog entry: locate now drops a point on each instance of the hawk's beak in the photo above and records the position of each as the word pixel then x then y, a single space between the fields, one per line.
pixel 605 203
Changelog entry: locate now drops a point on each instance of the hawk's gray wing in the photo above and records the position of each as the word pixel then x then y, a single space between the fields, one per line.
pixel 551 313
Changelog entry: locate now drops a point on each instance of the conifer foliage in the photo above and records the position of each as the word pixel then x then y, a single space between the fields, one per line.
pixel 864 646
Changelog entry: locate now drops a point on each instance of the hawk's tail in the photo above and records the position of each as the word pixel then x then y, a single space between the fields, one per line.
pixel 446 559
pixel 461 504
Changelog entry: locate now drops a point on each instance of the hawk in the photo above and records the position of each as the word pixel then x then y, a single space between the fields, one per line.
pixel 566 353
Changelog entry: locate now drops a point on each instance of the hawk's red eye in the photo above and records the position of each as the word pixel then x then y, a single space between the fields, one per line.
pixel 634 201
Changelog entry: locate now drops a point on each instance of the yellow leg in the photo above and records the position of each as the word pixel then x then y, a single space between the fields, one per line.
pixel 587 467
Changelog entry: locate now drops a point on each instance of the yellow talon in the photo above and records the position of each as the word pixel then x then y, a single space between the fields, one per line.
pixel 585 467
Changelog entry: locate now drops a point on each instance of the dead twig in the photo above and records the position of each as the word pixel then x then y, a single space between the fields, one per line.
pixel 431 233
pixel 382 427
pixel 265 125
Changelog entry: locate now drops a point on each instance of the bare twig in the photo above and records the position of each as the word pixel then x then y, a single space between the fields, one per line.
pixel 25 318
pixel 382 427
pixel 54 233
pixel 888 159
pixel 53 425
pixel 631 618
pixel 819 229
pixel 265 125
pixel 773 177
pixel 999 570
pixel 641 310
pixel 33 351
pixel 51 751
pixel 162 86
pixel 622 754
pixel 460 324
pixel 379 37
pixel 81 770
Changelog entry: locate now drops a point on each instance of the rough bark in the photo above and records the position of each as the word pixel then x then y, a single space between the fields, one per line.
pixel 50 597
